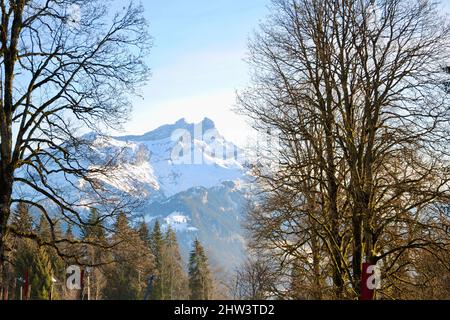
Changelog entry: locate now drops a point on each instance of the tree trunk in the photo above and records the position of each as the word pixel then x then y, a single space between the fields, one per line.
pixel 6 112
pixel 357 250
pixel 5 200
pixel 6 184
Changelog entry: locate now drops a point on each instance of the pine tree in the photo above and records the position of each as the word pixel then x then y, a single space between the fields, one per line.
pixel 41 276
pixel 32 259
pixel 48 234
pixel 43 229
pixel 133 263
pixel 200 283
pixel 58 264
pixel 49 255
pixel 172 274
pixel 22 223
pixel 94 228
pixel 94 234
pixel 157 241
pixel 157 247
pixel 22 220
pixel 144 233
pixel 70 250
pixel 25 248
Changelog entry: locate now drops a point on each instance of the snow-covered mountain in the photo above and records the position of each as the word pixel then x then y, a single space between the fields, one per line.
pixel 185 175
pixel 189 177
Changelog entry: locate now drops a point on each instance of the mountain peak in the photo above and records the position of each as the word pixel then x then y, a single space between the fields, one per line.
pixel 207 124
pixel 165 131
pixel 182 121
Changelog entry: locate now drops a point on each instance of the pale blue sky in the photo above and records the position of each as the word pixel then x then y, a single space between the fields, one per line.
pixel 197 62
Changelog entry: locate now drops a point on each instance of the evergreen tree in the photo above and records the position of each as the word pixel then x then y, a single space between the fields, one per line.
pixel 70 250
pixel 172 273
pixel 22 220
pixel 58 264
pixel 144 233
pixel 41 275
pixel 22 223
pixel 93 227
pixel 200 283
pixel 157 241
pixel 133 263
pixel 30 258
pixel 157 247
pixel 93 233
pixel 43 229
pixel 48 233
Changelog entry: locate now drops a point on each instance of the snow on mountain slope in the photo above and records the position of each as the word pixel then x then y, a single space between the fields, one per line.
pixel 213 215
pixel 190 179
pixel 133 172
pixel 183 155
pixel 185 175
pixel 178 222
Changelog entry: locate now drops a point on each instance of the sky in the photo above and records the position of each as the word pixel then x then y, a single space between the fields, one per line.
pixel 197 63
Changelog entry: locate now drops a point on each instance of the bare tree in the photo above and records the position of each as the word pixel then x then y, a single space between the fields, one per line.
pixel 253 280
pixel 355 91
pixel 65 64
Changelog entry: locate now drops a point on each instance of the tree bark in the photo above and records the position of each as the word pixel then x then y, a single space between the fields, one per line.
pixel 5 210
pixel 6 161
